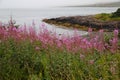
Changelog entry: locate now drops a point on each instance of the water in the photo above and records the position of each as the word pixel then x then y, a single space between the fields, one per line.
pixel 26 16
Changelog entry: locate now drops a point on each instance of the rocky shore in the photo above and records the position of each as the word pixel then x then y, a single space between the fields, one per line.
pixel 84 22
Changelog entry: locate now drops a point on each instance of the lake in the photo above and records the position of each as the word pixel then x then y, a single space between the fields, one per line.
pixel 27 16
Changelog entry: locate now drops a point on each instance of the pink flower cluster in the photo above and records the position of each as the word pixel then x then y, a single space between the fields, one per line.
pixel 74 44
pixel 114 42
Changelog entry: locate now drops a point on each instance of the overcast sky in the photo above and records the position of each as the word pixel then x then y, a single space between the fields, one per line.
pixel 47 3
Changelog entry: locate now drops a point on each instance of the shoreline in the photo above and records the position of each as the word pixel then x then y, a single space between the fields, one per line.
pixel 83 23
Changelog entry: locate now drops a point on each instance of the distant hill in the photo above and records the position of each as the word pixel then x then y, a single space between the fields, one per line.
pixel 113 4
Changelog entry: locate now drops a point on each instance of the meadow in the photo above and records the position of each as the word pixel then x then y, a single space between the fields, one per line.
pixel 29 55
pixel 115 16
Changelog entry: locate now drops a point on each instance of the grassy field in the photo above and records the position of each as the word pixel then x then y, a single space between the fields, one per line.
pixel 106 17
pixel 115 16
pixel 29 55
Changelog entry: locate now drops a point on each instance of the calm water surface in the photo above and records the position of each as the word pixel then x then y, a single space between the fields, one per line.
pixel 27 16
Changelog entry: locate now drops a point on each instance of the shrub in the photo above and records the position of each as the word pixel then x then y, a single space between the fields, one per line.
pixel 116 14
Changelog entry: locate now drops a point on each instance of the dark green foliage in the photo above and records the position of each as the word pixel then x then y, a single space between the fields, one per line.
pixel 116 14
pixel 119 35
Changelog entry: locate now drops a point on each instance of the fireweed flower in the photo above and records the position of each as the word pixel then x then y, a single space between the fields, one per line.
pixel 37 48
pixel 91 62
pixel 101 35
pixel 90 30
pixel 75 44
pixel 114 42
pixel 42 25
pixel 112 70
pixel 116 33
pixel 82 56
pixel 114 45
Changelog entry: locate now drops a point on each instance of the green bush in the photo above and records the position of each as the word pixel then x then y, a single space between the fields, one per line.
pixel 116 14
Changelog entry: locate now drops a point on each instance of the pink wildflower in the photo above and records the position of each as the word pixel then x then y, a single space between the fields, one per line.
pixel 101 31
pixel 43 25
pixel 114 45
pixel 114 42
pixel 90 30
pixel 112 70
pixel 59 44
pixel 91 62
pixel 82 56
pixel 37 48
pixel 116 33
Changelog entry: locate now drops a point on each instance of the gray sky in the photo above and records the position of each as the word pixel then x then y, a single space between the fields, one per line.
pixel 47 3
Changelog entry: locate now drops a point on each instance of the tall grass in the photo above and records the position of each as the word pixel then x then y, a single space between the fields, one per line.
pixel 29 55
